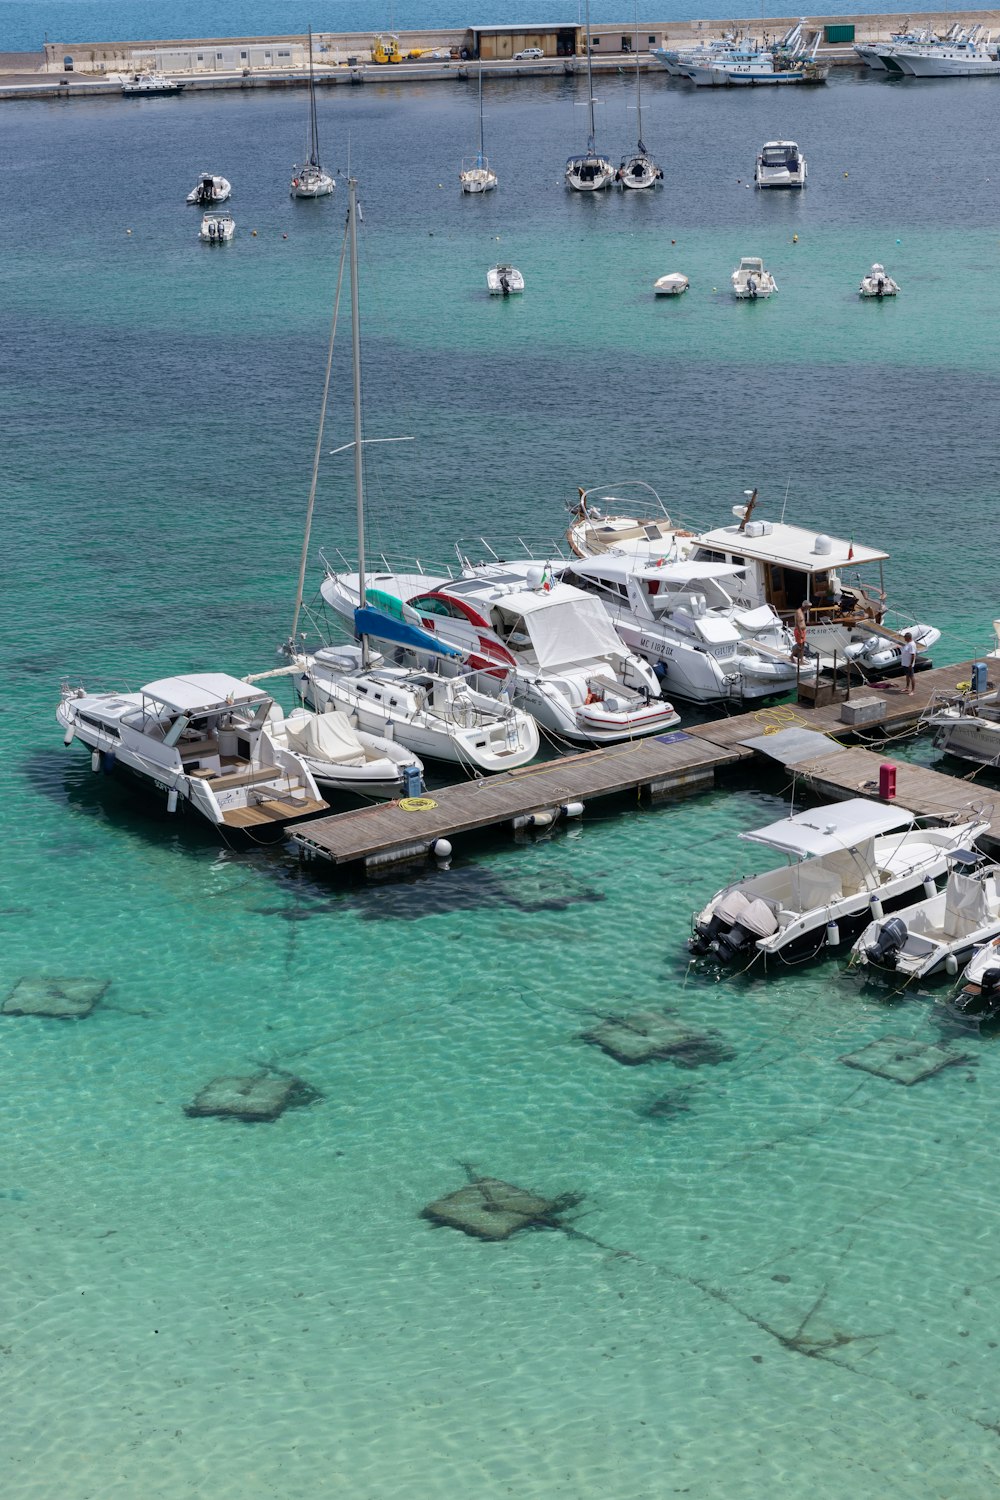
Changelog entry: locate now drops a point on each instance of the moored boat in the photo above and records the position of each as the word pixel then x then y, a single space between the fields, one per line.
pixel 940 932
pixel 751 281
pixel 877 283
pixel 504 281
pixel 210 189
pixel 217 229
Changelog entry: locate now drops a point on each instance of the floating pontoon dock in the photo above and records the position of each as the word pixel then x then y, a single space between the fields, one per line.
pixel 387 834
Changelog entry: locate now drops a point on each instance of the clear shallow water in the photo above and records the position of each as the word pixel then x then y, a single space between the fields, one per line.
pixel 780 1279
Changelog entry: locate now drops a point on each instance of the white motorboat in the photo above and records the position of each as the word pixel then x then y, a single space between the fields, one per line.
pixel 442 716
pixel 639 170
pixel 344 758
pixel 762 69
pixel 676 60
pixel 680 618
pixel 839 857
pixel 591 171
pixel 598 526
pixel 477 176
pixel 217 229
pixel 939 932
pixel 978 998
pixel 788 566
pixel 309 180
pixel 780 164
pixel 876 283
pixel 203 739
pixel 671 285
pixel 751 281
pixel 504 281
pixel 209 190
pixel 138 85
pixel 969 729
pixel 551 645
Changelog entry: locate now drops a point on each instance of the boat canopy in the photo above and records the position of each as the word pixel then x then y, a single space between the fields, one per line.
pixel 789 546
pixel 836 825
pixel 372 622
pixel 616 568
pixel 202 692
pixel 563 631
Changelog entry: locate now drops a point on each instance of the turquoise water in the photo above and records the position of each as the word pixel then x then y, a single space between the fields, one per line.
pixel 779 1276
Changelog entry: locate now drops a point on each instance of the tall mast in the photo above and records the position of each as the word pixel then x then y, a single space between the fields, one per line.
pixel 638 85
pixel 590 86
pixel 480 111
pixel 314 129
pixel 359 488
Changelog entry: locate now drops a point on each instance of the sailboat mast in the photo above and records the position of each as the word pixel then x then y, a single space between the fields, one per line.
pixel 638 84
pixel 359 488
pixel 590 84
pixel 480 111
pixel 313 126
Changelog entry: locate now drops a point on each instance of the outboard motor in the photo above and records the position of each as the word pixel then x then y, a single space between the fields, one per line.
pixel 980 1002
pixel 756 921
pixel 889 939
pixel 728 911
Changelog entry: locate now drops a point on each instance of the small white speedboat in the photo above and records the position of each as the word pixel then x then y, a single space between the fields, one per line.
pixel 217 229
pixel 939 932
pixel 978 998
pixel 209 190
pixel 780 164
pixel 877 283
pixel 504 281
pixel 751 281
pixel 137 84
pixel 839 857
pixel 969 728
pixel 671 285
pixel 343 758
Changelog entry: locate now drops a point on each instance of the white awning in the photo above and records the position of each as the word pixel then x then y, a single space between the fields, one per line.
pixel 836 825
pixel 202 692
pixel 570 632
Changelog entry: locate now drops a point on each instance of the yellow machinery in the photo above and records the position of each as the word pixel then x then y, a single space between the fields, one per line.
pixel 385 49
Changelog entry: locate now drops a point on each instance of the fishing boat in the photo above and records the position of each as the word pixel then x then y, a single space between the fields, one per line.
pixel 879 55
pixel 504 281
pixel 961 54
pixel 671 285
pixel 139 85
pixel 478 176
pixel 309 180
pixel 433 708
pixel 591 171
pixel 211 189
pixel 876 283
pixel 217 229
pixel 751 281
pixel 780 164
pixel 839 857
pixel 750 65
pixel 203 739
pixel 940 932
pixel 638 169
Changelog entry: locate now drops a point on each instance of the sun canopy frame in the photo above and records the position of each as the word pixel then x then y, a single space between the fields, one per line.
pixel 834 826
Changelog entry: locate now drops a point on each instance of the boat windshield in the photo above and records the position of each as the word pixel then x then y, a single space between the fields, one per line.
pixel 778 156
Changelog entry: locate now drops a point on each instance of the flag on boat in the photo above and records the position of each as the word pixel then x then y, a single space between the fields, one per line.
pixel 850 551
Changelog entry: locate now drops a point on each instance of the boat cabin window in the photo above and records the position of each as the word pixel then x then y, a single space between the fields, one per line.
pixel 439 607
pixel 708 554
pixel 511 629
pixel 778 156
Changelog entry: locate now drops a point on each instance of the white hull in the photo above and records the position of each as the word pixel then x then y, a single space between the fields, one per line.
pixel 504 281
pixel 210 191
pixel 937 934
pixel 639 171
pixel 969 733
pixel 944 62
pixel 343 758
pixel 217 229
pixel 671 285
pixel 478 179
pixel 315 184
pixel 589 174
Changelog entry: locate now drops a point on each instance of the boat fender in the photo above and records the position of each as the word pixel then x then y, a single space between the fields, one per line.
pixel 832 933
pixel 951 965
pixel 95 760
pixel 876 908
pixel 107 761
pixel 572 809
pixel 541 819
pixel 69 736
pixel 172 800
pixel 441 849
pixel 930 887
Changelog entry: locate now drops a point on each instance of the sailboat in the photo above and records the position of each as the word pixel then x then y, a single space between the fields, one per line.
pixel 435 709
pixel 479 176
pixel 639 170
pixel 309 180
pixel 591 171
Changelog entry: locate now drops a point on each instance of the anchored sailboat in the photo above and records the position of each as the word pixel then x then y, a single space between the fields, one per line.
pixel 478 176
pixel 309 180
pixel 639 170
pixel 591 171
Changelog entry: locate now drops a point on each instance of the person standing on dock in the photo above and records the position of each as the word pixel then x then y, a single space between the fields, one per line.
pixel 908 662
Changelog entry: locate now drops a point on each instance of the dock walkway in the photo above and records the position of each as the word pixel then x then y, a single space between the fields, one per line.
pixel 396 832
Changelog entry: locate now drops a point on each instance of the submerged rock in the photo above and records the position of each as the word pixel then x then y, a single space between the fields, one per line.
pixel 263 1097
pixel 490 1209
pixel 66 999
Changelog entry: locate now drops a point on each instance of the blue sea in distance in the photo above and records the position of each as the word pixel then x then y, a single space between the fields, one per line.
pixel 779 1277
pixel 24 26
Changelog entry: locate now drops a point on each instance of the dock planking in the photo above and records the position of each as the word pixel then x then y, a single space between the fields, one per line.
pixel 385 833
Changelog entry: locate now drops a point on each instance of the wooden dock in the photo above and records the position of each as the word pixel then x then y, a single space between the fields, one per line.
pixel 387 834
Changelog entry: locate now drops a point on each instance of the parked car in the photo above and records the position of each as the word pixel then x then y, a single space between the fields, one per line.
pixel 529 54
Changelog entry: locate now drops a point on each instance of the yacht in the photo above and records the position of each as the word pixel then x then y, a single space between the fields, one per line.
pixel 830 577
pixel 504 281
pixel 780 164
pixel 137 85
pixel 876 283
pixel 750 280
pixel 940 932
pixel 217 229
pixel 210 190
pixel 671 285
pixel 602 522
pixel 309 180
pixel 551 645
pixel 680 618
pixel 839 859
pixel 638 169
pixel 203 739
pixel 591 171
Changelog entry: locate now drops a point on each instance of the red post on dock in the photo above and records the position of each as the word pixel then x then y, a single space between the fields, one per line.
pixel 887 781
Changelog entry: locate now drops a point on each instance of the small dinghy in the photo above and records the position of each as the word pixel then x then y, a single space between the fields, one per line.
pixel 751 281
pixel 210 189
pixel 671 285
pixel 503 281
pixel 939 932
pixel 978 998
pixel 344 758
pixel 876 283
pixel 217 229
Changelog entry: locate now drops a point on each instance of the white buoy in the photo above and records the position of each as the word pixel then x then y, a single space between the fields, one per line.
pixel 951 965
pixel 441 849
pixel 172 800
pixel 95 760
pixel 876 908
pixel 68 736
pixel 572 809
pixel 541 819
pixel 832 933
pixel 930 888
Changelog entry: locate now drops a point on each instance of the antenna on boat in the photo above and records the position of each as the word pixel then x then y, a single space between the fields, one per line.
pixel 785 501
